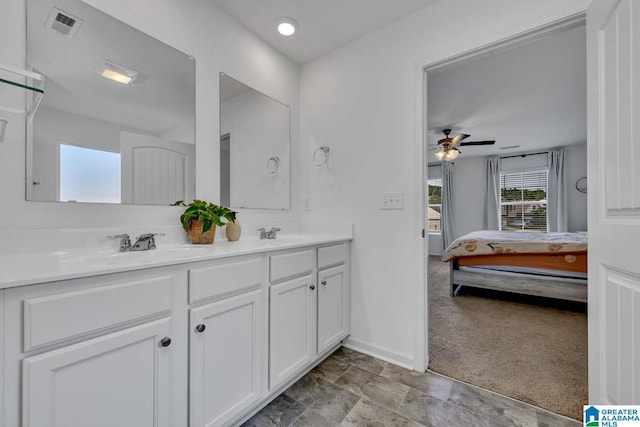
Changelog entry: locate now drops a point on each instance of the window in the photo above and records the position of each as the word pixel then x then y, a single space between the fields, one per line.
pixel 89 175
pixel 434 205
pixel 523 201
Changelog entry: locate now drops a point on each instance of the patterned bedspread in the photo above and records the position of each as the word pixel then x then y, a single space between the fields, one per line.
pixel 508 242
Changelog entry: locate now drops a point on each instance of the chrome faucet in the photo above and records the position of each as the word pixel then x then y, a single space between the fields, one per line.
pixel 125 241
pixel 146 241
pixel 271 234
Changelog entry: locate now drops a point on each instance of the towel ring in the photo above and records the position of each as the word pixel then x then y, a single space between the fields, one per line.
pixel 273 164
pixel 321 159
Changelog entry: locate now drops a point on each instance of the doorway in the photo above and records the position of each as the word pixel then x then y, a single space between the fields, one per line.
pixel 516 346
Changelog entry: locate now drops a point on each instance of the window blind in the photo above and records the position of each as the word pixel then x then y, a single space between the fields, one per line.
pixel 523 201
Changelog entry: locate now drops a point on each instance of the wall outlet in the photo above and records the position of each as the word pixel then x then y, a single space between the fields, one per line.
pixel 392 200
pixel 307 203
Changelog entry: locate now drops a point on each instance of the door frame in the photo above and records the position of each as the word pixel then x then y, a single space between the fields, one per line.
pixel 482 47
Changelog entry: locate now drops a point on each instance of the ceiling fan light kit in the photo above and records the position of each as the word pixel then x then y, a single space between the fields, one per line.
pixel 448 147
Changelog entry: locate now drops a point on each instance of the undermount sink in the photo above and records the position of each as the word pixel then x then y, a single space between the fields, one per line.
pixel 148 256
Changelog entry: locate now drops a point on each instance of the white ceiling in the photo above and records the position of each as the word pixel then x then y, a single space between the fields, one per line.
pixel 533 96
pixel 324 25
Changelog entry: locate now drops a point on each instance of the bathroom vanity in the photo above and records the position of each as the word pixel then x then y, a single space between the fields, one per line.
pixel 182 335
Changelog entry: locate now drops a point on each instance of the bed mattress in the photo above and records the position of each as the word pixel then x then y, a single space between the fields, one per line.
pixel 507 242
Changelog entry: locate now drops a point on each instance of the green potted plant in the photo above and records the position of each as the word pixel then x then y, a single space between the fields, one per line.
pixel 200 219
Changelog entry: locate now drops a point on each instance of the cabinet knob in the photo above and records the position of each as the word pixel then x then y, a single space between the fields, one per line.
pixel 312 287
pixel 165 342
pixel 200 328
pixel 324 283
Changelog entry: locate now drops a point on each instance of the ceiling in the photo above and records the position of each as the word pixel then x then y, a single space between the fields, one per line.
pixel 533 96
pixel 324 25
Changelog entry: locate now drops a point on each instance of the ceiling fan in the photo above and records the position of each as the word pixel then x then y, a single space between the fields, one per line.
pixel 447 148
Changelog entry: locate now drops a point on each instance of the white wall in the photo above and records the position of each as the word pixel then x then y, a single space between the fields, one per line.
pixel 195 27
pixel 364 102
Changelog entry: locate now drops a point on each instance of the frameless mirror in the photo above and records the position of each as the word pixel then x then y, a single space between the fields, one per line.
pixel 117 120
pixel 254 148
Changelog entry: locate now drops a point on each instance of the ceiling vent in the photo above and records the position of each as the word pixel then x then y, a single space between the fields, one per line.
pixel 63 22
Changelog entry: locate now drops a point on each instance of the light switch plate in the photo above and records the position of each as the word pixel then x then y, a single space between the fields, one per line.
pixel 393 200
pixel 307 203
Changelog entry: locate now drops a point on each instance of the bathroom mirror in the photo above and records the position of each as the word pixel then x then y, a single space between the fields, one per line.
pixel 117 120
pixel 255 160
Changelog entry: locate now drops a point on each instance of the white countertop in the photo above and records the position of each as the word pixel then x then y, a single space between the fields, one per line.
pixel 32 267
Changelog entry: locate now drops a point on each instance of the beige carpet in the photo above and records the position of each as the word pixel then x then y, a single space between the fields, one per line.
pixel 531 349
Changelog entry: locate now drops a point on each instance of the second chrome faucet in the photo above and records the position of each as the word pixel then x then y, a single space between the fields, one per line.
pixel 144 242
pixel 271 234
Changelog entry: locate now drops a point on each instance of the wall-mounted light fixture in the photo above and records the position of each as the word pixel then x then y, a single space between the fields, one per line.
pixel 116 72
pixel 286 25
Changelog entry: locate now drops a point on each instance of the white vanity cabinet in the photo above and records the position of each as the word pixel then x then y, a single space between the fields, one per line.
pixel 96 351
pixel 197 343
pixel 292 313
pixel 309 308
pixel 225 342
pixel 120 379
pixel 333 296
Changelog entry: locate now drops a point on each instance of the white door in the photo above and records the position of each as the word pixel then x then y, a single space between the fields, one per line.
pixel 156 171
pixel 121 379
pixel 225 357
pixel 291 328
pixel 613 38
pixel 332 314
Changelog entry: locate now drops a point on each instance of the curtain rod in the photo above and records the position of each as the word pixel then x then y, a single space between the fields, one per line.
pixel 524 155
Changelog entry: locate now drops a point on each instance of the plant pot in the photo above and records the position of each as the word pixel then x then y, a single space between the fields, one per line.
pixel 233 231
pixel 197 236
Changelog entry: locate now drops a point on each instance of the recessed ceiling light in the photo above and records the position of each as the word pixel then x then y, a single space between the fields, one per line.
pixel 287 26
pixel 116 72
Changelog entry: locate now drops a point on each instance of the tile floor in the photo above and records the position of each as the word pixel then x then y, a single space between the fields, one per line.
pixel 353 389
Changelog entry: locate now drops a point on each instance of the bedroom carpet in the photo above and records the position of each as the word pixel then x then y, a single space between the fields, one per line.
pixel 531 349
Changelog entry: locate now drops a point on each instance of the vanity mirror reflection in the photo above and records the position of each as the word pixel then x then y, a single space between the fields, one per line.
pixel 117 120
pixel 255 160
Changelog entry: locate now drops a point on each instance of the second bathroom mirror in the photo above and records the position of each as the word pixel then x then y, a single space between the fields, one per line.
pixel 255 160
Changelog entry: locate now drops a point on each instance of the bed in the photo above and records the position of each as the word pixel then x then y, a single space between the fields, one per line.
pixel 552 265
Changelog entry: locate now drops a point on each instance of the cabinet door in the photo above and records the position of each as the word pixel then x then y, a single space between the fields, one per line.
pixel 291 328
pixel 332 307
pixel 225 356
pixel 121 379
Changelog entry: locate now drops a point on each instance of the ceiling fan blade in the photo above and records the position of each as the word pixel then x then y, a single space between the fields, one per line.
pixel 478 143
pixel 458 138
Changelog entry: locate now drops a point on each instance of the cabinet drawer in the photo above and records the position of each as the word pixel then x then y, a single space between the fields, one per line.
pixel 224 278
pixel 332 255
pixel 287 266
pixel 53 318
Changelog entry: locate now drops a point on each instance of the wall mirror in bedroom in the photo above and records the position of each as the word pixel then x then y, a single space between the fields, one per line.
pixel 509 322
pixel 255 165
pixel 117 120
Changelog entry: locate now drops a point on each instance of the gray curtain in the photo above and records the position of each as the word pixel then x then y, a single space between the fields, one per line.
pixel 448 234
pixel 557 192
pixel 492 198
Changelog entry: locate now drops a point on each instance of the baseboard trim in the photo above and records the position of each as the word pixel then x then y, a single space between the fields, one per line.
pixel 404 360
